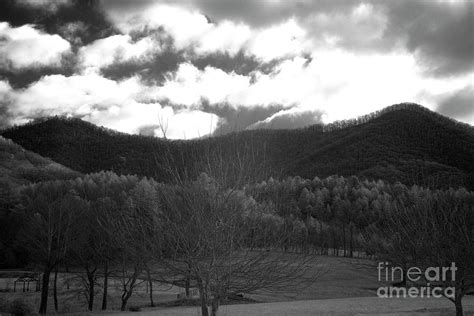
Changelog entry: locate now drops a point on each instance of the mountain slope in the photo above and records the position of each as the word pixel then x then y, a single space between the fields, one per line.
pixel 405 142
pixel 19 166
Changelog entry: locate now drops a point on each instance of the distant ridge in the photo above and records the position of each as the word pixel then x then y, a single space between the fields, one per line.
pixel 396 107
pixel 404 142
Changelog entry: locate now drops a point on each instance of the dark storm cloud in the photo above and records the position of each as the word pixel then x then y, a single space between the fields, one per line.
pixel 155 69
pixel 289 119
pixel 151 70
pixel 439 33
pixel 79 21
pixel 240 63
pixel 21 78
pixel 237 118
pixel 263 13
pixel 459 104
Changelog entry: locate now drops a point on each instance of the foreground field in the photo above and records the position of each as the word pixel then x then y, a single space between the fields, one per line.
pixel 346 286
pixel 338 277
pixel 337 307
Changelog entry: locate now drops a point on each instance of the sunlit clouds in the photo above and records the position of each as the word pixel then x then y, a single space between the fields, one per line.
pixel 305 63
pixel 25 46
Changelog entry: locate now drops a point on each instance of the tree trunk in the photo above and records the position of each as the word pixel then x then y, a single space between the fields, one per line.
pixel 458 303
pixel 334 242
pixel 55 290
pixel 344 239
pixel 128 292
pixel 125 296
pixel 203 298
pixel 90 279
pixel 351 244
pixel 44 291
pixel 215 306
pixel 321 234
pixel 187 284
pixel 150 283
pixel 106 285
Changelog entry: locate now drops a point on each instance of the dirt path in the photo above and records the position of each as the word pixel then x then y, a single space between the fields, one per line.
pixel 339 307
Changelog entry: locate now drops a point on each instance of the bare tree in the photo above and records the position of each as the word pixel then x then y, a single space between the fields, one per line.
pixel 436 231
pixel 208 237
pixel 49 230
pixel 163 124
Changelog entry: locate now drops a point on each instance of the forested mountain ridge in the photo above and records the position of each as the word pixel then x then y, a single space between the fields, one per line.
pixel 404 142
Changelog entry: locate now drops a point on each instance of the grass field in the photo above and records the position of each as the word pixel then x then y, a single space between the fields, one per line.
pixel 335 307
pixel 345 284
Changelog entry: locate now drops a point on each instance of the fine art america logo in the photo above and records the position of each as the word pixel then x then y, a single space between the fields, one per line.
pixel 430 282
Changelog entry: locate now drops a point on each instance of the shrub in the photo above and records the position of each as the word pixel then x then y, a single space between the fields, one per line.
pixel 20 307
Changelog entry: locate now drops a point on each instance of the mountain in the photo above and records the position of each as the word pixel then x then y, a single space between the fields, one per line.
pixel 405 142
pixel 19 166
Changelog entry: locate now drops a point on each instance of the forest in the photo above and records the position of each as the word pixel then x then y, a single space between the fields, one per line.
pixel 102 223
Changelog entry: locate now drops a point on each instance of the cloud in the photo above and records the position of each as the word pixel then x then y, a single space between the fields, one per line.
pixel 25 46
pixel 459 105
pixel 236 118
pixel 189 124
pixel 117 105
pixel 49 5
pixel 239 63
pixel 76 95
pixel 289 119
pixel 201 36
pixel 188 86
pixel 439 33
pixel 5 92
pixel 357 26
pixel 115 49
pixel 153 69
pixel 268 63
pixel 78 21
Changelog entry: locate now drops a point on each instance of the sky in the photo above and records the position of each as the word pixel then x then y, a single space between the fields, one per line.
pixel 191 68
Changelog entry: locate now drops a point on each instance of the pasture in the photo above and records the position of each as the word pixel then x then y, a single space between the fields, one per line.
pixel 340 280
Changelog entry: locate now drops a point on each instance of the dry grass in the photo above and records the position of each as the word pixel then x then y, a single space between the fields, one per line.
pixel 348 279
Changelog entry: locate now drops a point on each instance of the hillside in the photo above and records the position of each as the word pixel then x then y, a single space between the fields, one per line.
pixel 19 166
pixel 404 142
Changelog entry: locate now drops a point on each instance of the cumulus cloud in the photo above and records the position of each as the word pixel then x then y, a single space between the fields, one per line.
pixel 289 119
pixel 370 82
pixel 117 105
pixel 202 36
pixel 115 49
pixel 217 66
pixel 76 95
pixel 25 46
pixel 438 32
pixel 188 86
